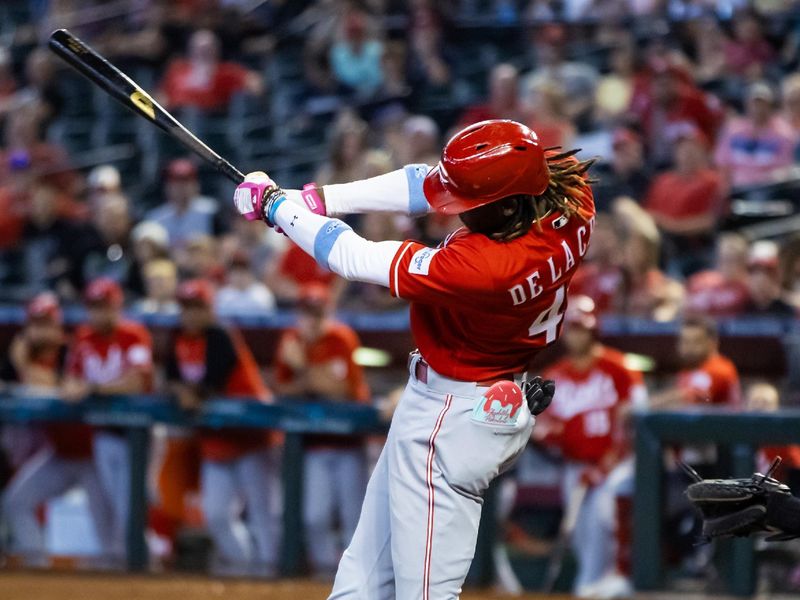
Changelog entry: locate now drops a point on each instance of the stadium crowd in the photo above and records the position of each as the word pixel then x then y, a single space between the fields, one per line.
pixel 693 108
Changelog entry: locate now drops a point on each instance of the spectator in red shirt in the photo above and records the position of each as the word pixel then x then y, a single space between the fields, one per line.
pixel 316 358
pixel 34 362
pixel 748 53
pixel 753 149
pixel 721 291
pixel 706 377
pixel 669 102
pixel 202 80
pixel 687 203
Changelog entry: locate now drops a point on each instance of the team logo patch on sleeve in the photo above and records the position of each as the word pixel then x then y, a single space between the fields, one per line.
pixel 421 261
pixel 500 405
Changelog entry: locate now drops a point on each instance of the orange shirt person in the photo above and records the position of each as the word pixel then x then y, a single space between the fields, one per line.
pixel 707 377
pixel 207 360
pixel 315 359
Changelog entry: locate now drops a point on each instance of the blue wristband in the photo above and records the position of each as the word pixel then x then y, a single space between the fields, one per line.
pixel 275 199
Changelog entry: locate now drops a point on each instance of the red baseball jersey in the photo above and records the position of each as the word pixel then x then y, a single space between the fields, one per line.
pixel 481 309
pixel 716 381
pixel 101 359
pixel 587 404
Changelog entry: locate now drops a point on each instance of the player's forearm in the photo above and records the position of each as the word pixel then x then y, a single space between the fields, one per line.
pixel 397 192
pixel 335 246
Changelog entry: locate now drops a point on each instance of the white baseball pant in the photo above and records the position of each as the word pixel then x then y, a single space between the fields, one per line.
pixel 334 481
pixel 112 459
pixel 593 541
pixel 44 476
pixel 416 535
pixel 255 479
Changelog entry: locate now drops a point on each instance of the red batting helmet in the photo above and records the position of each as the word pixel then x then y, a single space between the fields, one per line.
pixel 484 163
pixel 104 291
pixel 581 312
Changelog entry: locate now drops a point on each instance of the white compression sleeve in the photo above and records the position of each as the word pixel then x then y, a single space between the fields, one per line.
pixel 335 246
pixel 396 192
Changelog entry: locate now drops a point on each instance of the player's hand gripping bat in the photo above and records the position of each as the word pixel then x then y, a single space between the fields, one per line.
pixel 102 73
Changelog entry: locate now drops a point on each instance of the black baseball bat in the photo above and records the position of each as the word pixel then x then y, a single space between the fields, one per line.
pixel 102 73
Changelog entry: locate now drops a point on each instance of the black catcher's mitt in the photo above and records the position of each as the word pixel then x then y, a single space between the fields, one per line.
pixel 742 507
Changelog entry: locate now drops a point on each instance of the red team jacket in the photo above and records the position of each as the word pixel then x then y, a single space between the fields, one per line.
pixel 481 309
pixel 587 407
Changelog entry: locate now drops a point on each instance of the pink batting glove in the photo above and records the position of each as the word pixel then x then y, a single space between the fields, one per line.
pixel 308 197
pixel 249 195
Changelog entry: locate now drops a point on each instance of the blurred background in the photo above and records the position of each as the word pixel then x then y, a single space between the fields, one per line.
pixel 146 330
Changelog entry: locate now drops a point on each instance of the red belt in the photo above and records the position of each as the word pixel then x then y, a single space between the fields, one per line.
pixel 421 374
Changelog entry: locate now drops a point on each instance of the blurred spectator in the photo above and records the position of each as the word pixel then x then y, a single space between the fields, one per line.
pixel 205 360
pixel 420 141
pixel 687 203
pixel 578 80
pixel 763 397
pixel 394 63
pixel 108 248
pixel 504 98
pixel 316 359
pixel 52 242
pixel 160 285
pixel 186 213
pixel 428 64
pixel 346 148
pixel 706 377
pixel 667 101
pixel 202 80
pixel 710 44
pixel 600 275
pixel 103 179
pixel 34 362
pixel 723 290
pixel 790 98
pixel 150 242
pixel 748 54
pixel 764 281
pixel 355 56
pixel 8 83
pixel 615 89
pixel 109 355
pixel 753 149
pixel 790 270
pixel 547 104
pixel 626 174
pixel 41 91
pixel 647 292
pixel 199 259
pixel 242 293
pixel 585 422
pixel 25 154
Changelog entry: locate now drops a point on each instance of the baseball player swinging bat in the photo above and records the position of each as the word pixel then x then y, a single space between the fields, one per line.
pixel 122 88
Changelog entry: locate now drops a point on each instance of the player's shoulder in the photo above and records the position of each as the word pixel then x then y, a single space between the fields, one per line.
pixel 722 366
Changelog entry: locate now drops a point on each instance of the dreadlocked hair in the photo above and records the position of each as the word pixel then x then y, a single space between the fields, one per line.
pixel 567 183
